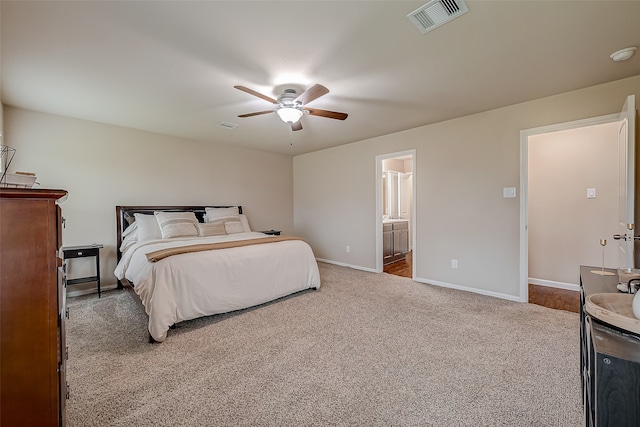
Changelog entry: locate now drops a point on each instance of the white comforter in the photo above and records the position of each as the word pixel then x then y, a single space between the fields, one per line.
pixel 192 285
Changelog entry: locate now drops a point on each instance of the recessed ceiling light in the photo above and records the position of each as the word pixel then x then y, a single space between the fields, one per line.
pixel 623 54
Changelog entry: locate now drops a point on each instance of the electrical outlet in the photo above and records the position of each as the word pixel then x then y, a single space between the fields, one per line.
pixel 347 249
pixel 454 263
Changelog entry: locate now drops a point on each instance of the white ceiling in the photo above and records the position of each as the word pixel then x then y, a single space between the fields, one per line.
pixel 170 66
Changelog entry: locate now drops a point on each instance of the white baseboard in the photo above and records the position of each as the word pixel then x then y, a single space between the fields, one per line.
pixel 433 282
pixel 465 288
pixel 342 264
pixel 554 284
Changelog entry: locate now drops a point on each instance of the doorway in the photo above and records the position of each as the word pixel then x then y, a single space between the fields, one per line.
pixel 589 220
pixel 395 213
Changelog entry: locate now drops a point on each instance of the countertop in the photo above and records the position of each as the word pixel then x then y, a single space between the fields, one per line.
pixel 394 221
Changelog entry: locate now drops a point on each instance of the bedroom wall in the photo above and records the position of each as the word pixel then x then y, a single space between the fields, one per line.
pixel 462 166
pixel 565 227
pixel 102 166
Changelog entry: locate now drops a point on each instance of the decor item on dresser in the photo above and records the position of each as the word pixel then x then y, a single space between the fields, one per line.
pixel 185 262
pixel 609 352
pixel 13 180
pixel 602 272
pixel 32 309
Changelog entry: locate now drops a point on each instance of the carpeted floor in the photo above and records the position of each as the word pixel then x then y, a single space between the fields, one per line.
pixel 364 350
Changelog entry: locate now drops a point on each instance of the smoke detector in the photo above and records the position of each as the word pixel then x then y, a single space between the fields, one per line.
pixel 623 54
pixel 436 13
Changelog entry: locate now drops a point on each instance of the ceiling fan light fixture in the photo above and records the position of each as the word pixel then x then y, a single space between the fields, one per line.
pixel 289 114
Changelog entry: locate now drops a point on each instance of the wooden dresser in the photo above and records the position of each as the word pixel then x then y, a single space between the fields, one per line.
pixel 33 386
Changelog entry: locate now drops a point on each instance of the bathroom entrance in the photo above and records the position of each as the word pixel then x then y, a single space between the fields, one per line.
pixel 395 213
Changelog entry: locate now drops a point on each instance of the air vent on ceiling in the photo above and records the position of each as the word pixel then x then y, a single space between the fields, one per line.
pixel 227 125
pixel 437 12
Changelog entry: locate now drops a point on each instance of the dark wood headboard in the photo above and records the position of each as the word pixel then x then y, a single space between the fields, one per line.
pixel 124 216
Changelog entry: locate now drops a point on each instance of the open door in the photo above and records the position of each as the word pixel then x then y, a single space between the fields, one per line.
pixel 626 170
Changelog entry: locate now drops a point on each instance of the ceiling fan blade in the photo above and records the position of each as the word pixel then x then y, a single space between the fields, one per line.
pixel 254 93
pixel 256 113
pixel 296 126
pixel 328 114
pixel 314 92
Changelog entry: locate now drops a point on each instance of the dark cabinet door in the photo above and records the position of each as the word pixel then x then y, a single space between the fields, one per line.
pixel 403 241
pixel 387 244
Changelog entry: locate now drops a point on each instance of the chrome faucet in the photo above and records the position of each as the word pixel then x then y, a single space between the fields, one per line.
pixel 635 285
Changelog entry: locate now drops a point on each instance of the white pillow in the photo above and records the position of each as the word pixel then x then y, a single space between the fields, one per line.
pixel 127 242
pixel 245 223
pixel 129 237
pixel 217 213
pixel 211 229
pixel 131 229
pixel 148 227
pixel 177 224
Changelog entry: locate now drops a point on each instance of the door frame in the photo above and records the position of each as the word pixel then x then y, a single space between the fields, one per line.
pixel 524 186
pixel 627 117
pixel 378 221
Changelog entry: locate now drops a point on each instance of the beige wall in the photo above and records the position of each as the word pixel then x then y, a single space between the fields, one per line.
pixel 462 166
pixel 102 166
pixel 565 227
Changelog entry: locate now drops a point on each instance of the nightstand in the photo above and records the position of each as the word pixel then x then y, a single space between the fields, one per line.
pixel 272 232
pixel 85 251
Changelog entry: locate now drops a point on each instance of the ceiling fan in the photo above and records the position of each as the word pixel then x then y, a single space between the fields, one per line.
pixel 290 106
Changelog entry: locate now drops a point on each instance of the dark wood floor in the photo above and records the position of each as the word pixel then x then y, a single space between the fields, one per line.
pixel 559 299
pixel 400 268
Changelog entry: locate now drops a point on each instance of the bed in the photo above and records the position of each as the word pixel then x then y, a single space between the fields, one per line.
pixel 186 262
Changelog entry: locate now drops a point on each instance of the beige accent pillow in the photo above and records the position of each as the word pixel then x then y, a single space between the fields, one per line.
pixel 177 224
pixel 211 229
pixel 232 226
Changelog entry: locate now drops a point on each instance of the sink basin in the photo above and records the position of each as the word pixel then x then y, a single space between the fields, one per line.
pixel 614 309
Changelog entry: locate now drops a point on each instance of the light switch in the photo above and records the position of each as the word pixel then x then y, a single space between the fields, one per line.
pixel 509 192
pixel 591 193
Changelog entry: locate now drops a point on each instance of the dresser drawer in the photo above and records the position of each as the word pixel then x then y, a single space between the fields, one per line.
pixel 71 252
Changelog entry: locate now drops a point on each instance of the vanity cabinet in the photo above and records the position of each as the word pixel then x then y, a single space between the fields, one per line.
pixel 395 241
pixel 33 386
pixel 610 362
